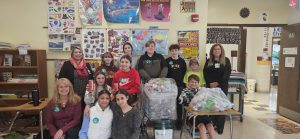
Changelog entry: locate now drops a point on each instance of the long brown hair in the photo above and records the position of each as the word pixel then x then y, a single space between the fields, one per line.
pixel 105 55
pixel 72 97
pixel 211 55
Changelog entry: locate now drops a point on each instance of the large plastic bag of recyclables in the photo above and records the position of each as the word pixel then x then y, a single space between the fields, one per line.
pixel 159 99
pixel 210 100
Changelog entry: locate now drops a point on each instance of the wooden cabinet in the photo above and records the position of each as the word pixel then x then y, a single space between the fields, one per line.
pixel 25 75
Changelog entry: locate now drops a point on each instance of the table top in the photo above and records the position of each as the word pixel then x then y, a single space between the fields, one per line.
pixel 227 112
pixel 27 106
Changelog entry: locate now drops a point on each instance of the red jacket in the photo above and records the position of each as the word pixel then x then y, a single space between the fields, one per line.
pixel 64 119
pixel 129 81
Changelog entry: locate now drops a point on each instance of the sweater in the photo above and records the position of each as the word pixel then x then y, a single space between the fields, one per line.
pixel 62 118
pixel 109 72
pixel 129 81
pixel 152 67
pixel 176 70
pixel 219 73
pixel 125 125
pixel 98 124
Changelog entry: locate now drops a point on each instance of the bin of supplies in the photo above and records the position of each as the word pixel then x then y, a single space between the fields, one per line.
pixel 163 129
pixel 251 85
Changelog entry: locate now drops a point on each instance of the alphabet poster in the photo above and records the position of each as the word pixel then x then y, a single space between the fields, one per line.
pixel 189 43
pixel 90 12
pixel 121 11
pixel 61 17
pixel 116 39
pixel 93 43
pixel 141 36
pixel 155 10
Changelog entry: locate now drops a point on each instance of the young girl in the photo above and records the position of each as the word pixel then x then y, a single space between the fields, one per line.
pixel 98 124
pixel 63 112
pixel 108 67
pixel 194 69
pixel 126 119
pixel 100 84
pixel 127 78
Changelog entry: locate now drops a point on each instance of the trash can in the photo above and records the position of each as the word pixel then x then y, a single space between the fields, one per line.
pixel 163 129
pixel 251 85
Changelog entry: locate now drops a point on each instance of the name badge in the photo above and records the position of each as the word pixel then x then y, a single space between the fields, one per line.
pixel 56 109
pixel 217 65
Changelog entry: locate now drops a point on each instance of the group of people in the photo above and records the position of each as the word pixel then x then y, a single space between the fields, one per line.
pixel 105 109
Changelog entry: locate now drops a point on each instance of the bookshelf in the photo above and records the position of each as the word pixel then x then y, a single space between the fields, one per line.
pixel 24 74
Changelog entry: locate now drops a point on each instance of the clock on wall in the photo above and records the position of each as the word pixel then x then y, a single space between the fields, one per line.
pixel 244 12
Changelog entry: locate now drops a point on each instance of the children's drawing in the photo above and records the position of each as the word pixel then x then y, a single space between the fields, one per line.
pixel 64 42
pixel 90 12
pixel 93 43
pixel 189 43
pixel 121 11
pixel 116 39
pixel 141 36
pixel 155 10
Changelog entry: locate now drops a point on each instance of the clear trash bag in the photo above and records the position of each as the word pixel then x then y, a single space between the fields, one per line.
pixel 210 100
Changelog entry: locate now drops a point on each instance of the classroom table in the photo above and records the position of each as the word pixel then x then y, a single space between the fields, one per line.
pixel 27 107
pixel 228 112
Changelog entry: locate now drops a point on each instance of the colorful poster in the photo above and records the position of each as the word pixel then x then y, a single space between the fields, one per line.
pixel 61 16
pixel 57 65
pixel 294 3
pixel 64 42
pixel 121 11
pixel 93 43
pixel 139 37
pixel 94 63
pixel 187 6
pixel 90 12
pixel 116 39
pixel 155 10
pixel 189 43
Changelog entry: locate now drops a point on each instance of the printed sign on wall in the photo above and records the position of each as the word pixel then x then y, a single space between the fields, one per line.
pixel 189 43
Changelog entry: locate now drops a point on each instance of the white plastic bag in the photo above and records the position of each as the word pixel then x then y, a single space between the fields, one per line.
pixel 210 100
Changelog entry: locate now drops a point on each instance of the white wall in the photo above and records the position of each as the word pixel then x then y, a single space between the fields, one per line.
pixel 228 11
pixel 294 16
pixel 254 48
pixel 22 21
pixel 228 48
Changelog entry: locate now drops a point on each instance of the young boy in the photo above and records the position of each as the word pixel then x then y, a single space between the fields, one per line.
pixel 176 70
pixel 194 69
pixel 203 123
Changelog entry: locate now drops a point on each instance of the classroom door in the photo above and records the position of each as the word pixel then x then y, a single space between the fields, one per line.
pixel 288 86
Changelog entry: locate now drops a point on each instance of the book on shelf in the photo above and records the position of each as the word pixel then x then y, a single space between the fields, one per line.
pixel 8 59
pixel 22 60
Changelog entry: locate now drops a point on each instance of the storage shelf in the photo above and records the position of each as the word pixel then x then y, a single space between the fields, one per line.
pixel 18 67
pixel 10 83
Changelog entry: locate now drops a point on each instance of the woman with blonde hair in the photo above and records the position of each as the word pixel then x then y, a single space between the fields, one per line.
pixel 63 112
pixel 216 71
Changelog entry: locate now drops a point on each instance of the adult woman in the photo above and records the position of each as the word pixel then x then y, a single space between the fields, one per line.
pixel 216 71
pixel 77 71
pixel 127 78
pixel 152 64
pixel 126 119
pixel 63 112
pixel 128 49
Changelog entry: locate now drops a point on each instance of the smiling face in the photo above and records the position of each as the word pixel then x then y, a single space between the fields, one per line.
pixel 193 84
pixel 103 100
pixel 77 54
pixel 107 59
pixel 195 67
pixel 100 79
pixel 150 48
pixel 121 100
pixel 63 89
pixel 127 49
pixel 125 64
pixel 174 53
pixel 217 51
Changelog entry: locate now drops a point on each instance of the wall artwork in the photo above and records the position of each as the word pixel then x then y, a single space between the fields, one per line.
pixel 90 12
pixel 61 17
pixel 223 35
pixel 116 39
pixel 155 10
pixel 121 11
pixel 187 6
pixel 189 43
pixel 141 36
pixel 65 42
pixel 57 65
pixel 93 43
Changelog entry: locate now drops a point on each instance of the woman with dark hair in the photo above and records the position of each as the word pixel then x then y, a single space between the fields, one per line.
pixel 217 71
pixel 152 64
pixel 107 67
pixel 126 119
pixel 78 71
pixel 127 78
pixel 128 49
